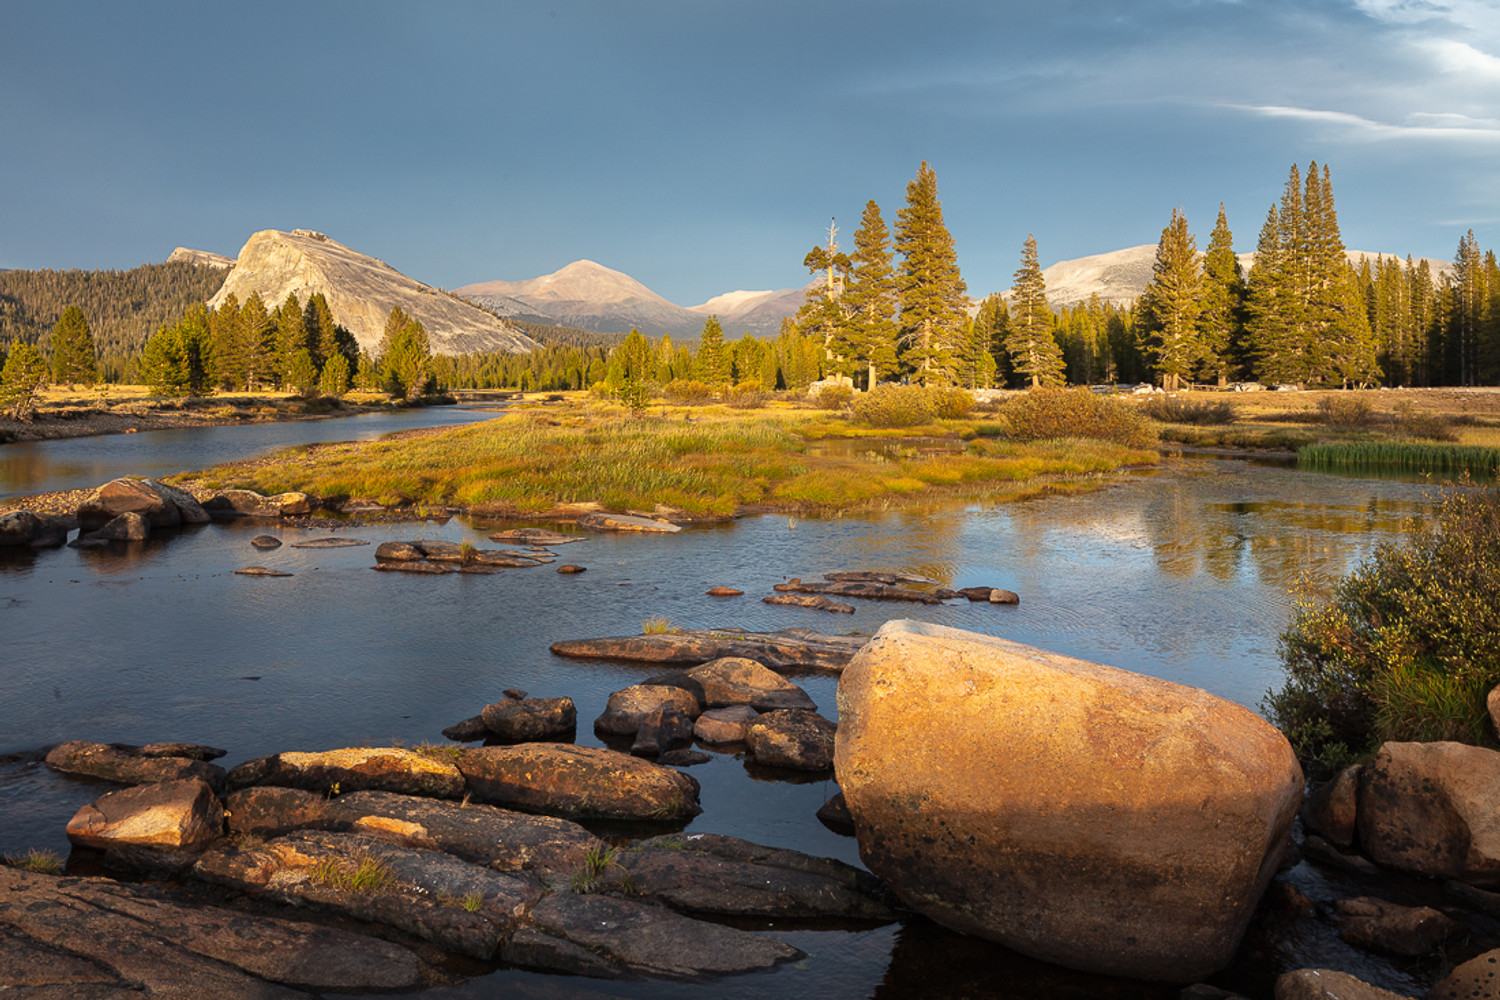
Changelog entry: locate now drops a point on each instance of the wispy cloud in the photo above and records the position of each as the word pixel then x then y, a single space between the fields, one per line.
pixel 1419 125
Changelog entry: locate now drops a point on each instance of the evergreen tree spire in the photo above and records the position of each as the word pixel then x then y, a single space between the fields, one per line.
pixel 1170 308
pixel 1223 298
pixel 1032 347
pixel 870 298
pixel 933 295
pixel 74 359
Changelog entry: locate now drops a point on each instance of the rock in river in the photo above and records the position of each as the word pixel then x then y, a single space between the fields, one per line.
pixel 793 738
pixel 38 531
pixel 628 707
pixel 1084 815
pixel 786 649
pixel 1429 808
pixel 574 781
pixel 128 496
pixel 389 769
pixel 525 720
pixel 133 765
pixel 181 814
pixel 736 680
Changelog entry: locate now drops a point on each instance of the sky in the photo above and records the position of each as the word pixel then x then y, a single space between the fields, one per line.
pixel 702 147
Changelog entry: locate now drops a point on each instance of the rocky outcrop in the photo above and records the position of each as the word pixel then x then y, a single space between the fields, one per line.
pixel 629 707
pixel 133 765
pixel 801 740
pixel 523 720
pixel 727 876
pixel 1016 794
pixel 178 815
pixel 791 648
pixel 227 505
pixel 578 782
pixel 201 258
pixel 1429 808
pixel 37 531
pixel 387 769
pixel 853 588
pixel 817 603
pixel 96 938
pixel 628 523
pixel 361 291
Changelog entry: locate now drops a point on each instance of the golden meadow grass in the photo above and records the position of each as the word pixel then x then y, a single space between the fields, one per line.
pixel 717 464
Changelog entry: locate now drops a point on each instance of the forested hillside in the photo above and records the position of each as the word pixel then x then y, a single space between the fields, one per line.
pixel 123 308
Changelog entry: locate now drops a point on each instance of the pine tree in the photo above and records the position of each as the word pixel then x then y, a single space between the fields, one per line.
pixel 934 298
pixel 992 322
pixel 1270 340
pixel 21 381
pixel 228 344
pixel 1031 345
pixel 301 374
pixel 711 365
pixel 823 316
pixel 257 343
pixel 1223 296
pixel 291 339
pixel 73 356
pixel 1466 315
pixel 334 380
pixel 870 298
pixel 1169 310
pixel 405 358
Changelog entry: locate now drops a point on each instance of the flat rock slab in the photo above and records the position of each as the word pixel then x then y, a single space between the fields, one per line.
pixel 535 536
pixel 869 591
pixel 573 781
pixel 864 576
pixel 421 892
pixel 783 650
pixel 628 522
pixel 78 935
pixel 485 835
pixel 133 765
pixel 266 542
pixel 259 571
pixel 612 938
pixel 815 601
pixel 726 876
pixel 431 569
pixel 181 814
pixel 329 543
pixel 389 769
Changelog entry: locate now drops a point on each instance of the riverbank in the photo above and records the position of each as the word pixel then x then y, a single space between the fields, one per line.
pixel 129 409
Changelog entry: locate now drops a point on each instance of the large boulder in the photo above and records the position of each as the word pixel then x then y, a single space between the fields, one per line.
pixel 130 526
pixel 578 782
pixel 1429 808
pixel 178 815
pixel 37 531
pixel 1084 815
pixel 128 496
pixel 187 505
pixel 387 769
pixel 1478 977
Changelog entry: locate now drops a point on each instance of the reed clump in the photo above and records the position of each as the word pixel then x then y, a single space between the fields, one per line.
pixel 1407 456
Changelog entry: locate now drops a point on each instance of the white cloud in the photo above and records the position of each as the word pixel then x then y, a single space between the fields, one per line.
pixel 1420 126
pixel 1452 56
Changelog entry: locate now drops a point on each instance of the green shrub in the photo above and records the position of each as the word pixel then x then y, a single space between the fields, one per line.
pixel 952 404
pixel 835 397
pixel 1043 414
pixel 894 406
pixel 1173 410
pixel 1408 646
pixel 746 396
pixel 687 392
pixel 1343 411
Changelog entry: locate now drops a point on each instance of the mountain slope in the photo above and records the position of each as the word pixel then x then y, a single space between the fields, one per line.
pixel 361 292
pixel 593 297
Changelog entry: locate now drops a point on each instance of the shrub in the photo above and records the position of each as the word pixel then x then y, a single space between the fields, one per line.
pixel 687 392
pixel 1043 414
pixel 894 406
pixel 835 397
pixel 1410 421
pixel 1343 411
pixel 1408 646
pixel 952 404
pixel 1173 410
pixel 745 396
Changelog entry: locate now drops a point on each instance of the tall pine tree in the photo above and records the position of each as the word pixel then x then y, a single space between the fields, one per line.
pixel 870 298
pixel 934 298
pixel 823 316
pixel 1223 295
pixel 1169 311
pixel 1033 350
pixel 74 359
pixel 712 364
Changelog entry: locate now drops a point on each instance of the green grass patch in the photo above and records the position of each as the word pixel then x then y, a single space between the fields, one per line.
pixel 364 874
pixel 39 861
pixel 1408 456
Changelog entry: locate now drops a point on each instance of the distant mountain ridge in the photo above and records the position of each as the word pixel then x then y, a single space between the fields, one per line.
pixel 588 295
pixel 361 291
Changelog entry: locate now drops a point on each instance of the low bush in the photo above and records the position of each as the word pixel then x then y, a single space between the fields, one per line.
pixel 835 397
pixel 687 392
pixel 1043 414
pixel 746 396
pixel 952 404
pixel 1175 410
pixel 1406 648
pixel 894 406
pixel 1340 410
pixel 1412 422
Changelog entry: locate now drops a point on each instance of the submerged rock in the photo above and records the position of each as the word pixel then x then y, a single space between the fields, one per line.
pixel 389 769
pixel 266 542
pixel 260 571
pixel 574 781
pixel 535 536
pixel 1016 794
pixel 869 591
pixel 329 543
pixel 93 937
pixel 724 592
pixel 133 765
pixel 786 649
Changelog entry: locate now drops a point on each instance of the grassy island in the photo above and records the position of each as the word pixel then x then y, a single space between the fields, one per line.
pixel 710 461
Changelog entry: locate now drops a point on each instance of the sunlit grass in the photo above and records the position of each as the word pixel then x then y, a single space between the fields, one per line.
pixel 718 463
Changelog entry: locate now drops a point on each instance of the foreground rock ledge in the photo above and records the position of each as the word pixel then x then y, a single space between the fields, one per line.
pixel 1084 815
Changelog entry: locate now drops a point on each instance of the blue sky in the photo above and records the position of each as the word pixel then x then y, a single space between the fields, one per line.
pixel 702 147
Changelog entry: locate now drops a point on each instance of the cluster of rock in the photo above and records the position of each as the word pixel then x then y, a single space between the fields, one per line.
pixel 870 585
pixel 476 850
pixel 438 557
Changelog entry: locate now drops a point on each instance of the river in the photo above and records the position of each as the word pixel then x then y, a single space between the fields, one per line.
pixel 1185 572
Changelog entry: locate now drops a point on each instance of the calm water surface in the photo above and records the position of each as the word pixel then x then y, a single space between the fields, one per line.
pixel 1183 573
